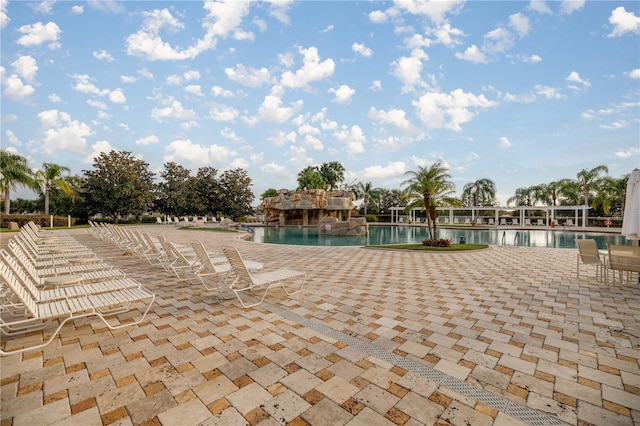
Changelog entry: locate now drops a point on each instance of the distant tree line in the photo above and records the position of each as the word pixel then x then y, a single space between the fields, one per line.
pixel 120 184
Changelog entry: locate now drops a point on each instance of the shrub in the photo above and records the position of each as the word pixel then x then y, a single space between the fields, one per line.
pixel 371 218
pixel 436 242
pixel 40 220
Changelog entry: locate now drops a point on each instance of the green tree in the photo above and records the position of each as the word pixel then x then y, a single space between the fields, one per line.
pixel 481 193
pixel 119 184
pixel 310 178
pixel 208 190
pixel 237 195
pixel 14 172
pixel 588 180
pixel 271 192
pixel 53 176
pixel 610 194
pixel 66 202
pixel 523 197
pixel 428 187
pixel 391 198
pixel 173 194
pixel 332 173
pixel 367 193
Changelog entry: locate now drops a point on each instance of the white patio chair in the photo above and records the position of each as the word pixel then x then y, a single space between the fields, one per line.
pixel 29 314
pixel 245 281
pixel 175 260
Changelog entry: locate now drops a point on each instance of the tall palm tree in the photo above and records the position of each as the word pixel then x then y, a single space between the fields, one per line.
pixel 523 197
pixel 332 173
pixel 588 179
pixel 368 193
pixel 14 172
pixel 611 192
pixel 429 186
pixel 482 192
pixel 52 176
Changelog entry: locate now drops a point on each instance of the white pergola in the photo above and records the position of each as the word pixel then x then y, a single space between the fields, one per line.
pixel 549 211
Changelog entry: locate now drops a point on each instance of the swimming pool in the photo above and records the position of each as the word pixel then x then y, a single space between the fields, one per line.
pixel 410 234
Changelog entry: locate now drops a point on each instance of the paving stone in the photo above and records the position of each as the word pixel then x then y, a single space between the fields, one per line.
pixel 326 413
pixel 460 414
pixel 151 406
pixel 248 397
pixel 229 417
pixel 376 398
pixel 337 389
pixel 51 412
pixel 420 408
pixel 368 417
pixel 191 412
pixel 286 406
pixel 301 381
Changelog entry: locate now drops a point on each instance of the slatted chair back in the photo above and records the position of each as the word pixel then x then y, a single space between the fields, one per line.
pixel 23 277
pixel 243 276
pixel 10 279
pixel 207 267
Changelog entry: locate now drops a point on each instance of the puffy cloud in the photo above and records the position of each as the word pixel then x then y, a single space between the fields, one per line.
pixel 97 104
pixel 497 41
pixel 619 124
pixel 194 89
pixel 220 112
pixel 446 35
pixel 377 17
pixel 450 110
pixel 434 10
pixel 570 6
pixel 117 96
pixel 228 133
pixel 77 9
pixel 186 125
pixel 219 92
pixel 191 75
pixel 520 23
pixel 408 69
pixel 145 73
pixel 250 77
pixel 26 67
pixel 97 149
pixel 223 19
pixel 539 6
pixel 14 88
pixel 128 79
pixel 623 22
pixel 631 151
pixel 574 77
pixel 548 92
pixel 196 155
pixel 279 8
pixel 148 140
pixel 376 86
pixel 353 138
pixel 361 49
pixel 342 94
pixel 4 18
pixel 44 6
pixel 102 55
pixel 175 110
pixel 272 110
pixel 533 59
pixel 54 98
pixel 38 33
pixel 312 142
pixel 12 138
pixel 473 54
pixel 109 6
pixel 393 169
pixel 280 138
pixel 395 117
pixel 84 85
pixel 504 142
pixel 61 133
pixel 635 73
pixel 312 69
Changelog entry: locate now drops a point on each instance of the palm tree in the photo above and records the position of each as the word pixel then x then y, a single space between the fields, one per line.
pixel 332 173
pixel 588 179
pixel 14 172
pixel 429 186
pixel 368 193
pixel 51 176
pixel 482 192
pixel 523 197
pixel 611 192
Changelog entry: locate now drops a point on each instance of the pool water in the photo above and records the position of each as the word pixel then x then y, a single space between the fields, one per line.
pixel 379 235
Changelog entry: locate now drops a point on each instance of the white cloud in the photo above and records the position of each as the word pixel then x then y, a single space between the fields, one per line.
pixel 574 77
pixel 229 134
pixel 84 85
pixel 377 17
pixel 446 35
pixel 145 73
pixel 26 67
pixel 533 59
pixel 194 89
pixel 279 8
pixel 196 155
pixel 408 69
pixel 148 140
pixel 97 104
pixel 97 149
pixel 12 138
pixel 472 54
pixel 504 142
pixel 250 77
pixel 175 110
pixel 44 6
pixel 623 22
pixel 312 69
pixel 548 92
pixel 635 74
pixel 361 49
pixel 108 6
pixel 393 169
pixel 38 33
pixel 327 29
pixel 77 9
pixel 619 124
pixel 434 10
pixel 498 40
pixel 220 112
pixel 61 133
pixel 353 138
pixel 342 94
pixel 191 75
pixel 520 23
pixel 117 96
pixel 272 110
pixel 450 110
pixel 54 98
pixel 14 88
pixel 539 6
pixel 376 86
pixel 128 79
pixel 570 6
pixel 312 142
pixel 4 18
pixel 223 20
pixel 219 92
pixel 629 152
pixel 102 55
pixel 280 138
pixel 186 125
pixel 395 117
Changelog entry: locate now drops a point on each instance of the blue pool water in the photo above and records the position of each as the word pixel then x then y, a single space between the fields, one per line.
pixel 409 234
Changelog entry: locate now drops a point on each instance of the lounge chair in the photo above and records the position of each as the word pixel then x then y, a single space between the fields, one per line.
pixel 455 220
pixel 568 222
pixel 467 221
pixel 540 222
pixel 622 259
pixel 503 222
pixel 527 222
pixel 217 268
pixel 490 221
pixel 175 260
pixel 27 314
pixel 588 254
pixel 514 222
pixel 245 281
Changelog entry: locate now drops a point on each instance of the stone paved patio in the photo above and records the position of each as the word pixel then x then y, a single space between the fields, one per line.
pixel 503 333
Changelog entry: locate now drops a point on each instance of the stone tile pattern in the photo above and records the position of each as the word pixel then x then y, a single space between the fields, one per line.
pixel 513 321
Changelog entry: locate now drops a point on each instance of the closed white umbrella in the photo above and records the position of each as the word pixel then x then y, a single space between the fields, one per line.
pixel 631 218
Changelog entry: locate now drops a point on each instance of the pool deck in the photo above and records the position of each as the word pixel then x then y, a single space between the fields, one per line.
pixel 502 336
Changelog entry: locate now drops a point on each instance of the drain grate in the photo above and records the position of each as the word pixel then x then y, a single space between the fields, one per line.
pixel 500 403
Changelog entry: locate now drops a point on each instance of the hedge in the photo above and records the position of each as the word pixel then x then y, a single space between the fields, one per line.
pixel 40 220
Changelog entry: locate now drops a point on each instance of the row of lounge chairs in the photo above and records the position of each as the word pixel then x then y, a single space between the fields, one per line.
pixel 502 222
pixel 175 220
pixel 225 272
pixel 51 279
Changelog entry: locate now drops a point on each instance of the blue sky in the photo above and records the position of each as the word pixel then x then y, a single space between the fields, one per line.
pixel 519 92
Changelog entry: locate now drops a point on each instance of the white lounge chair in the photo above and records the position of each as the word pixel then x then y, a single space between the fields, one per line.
pixel 527 222
pixel 490 221
pixel 568 222
pixel 28 314
pixel 503 221
pixel 216 269
pixel 467 221
pixel 514 222
pixel 540 222
pixel 589 255
pixel 244 281
pixel 175 260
